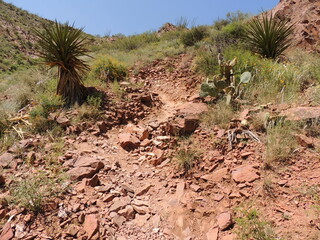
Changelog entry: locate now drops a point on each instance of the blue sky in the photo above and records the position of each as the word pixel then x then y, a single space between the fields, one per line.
pixel 137 16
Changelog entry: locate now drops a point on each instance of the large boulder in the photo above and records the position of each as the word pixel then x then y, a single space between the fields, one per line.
pixel 304 14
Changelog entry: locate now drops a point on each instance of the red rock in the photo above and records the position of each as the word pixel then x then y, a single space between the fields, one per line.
pixel 159 157
pixel 212 234
pixel 73 230
pixel 305 141
pixel 128 141
pixel 246 154
pixel 180 126
pixel 6 159
pixel 85 167
pixel 216 176
pixel 245 174
pixel 146 99
pixel 3 213
pixel 224 220
pixel 282 183
pixel 301 113
pixel 144 134
pixel 221 133
pixel 192 108
pixel 91 225
pixel 195 188
pixel 7 232
pixel 94 181
pixel 145 143
pixel 103 127
pixel 140 207
pixel 118 205
pixel 218 197
pixel 213 156
pixel 305 17
pixel 108 198
pixel 118 220
pixel 229 237
pixel 234 194
pixel 191 123
pixel 143 190
pixel 244 193
pixel 194 97
pixel 63 121
pixel 128 212
pixel 243 115
pixel 180 190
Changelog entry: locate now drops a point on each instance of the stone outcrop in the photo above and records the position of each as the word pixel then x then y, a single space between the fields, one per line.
pixel 305 15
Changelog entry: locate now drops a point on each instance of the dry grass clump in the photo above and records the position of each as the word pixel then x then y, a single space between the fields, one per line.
pixel 280 144
pixel 220 114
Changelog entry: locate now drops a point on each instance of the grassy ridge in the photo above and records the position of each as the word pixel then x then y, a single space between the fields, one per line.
pixel 17 42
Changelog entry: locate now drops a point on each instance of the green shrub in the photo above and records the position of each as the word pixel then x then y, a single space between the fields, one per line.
pixel 237 16
pixel 231 17
pixel 3 122
pixel 46 105
pixel 95 100
pixel 229 35
pixel 268 36
pixel 206 62
pixel 117 89
pixel 185 158
pixel 32 192
pixel 40 113
pixel 194 35
pixel 109 69
pixel 130 43
pixel 280 143
pixel 251 226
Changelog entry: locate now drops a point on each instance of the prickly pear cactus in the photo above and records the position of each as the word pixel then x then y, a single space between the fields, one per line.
pixel 225 84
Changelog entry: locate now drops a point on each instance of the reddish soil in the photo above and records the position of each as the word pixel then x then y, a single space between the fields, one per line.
pixel 143 194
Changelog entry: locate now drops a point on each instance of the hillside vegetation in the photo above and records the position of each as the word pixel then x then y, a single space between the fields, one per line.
pixel 17 41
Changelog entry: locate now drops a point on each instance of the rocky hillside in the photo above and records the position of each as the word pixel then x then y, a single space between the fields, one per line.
pixel 17 42
pixel 305 14
pixel 149 158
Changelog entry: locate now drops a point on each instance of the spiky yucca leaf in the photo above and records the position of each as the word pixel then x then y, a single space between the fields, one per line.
pixel 269 36
pixel 62 45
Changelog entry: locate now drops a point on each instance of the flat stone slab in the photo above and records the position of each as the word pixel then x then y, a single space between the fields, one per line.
pixel 301 113
pixel 245 174
pixel 192 108
pixel 216 176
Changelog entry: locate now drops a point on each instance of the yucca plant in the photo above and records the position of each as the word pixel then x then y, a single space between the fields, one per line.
pixel 62 45
pixel 269 36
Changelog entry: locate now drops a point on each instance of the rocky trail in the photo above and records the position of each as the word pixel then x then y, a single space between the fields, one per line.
pixel 128 185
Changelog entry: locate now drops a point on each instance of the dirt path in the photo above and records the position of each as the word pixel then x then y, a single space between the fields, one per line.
pixel 161 214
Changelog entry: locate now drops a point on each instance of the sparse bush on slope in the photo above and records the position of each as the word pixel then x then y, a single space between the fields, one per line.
pixel 194 35
pixel 109 69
